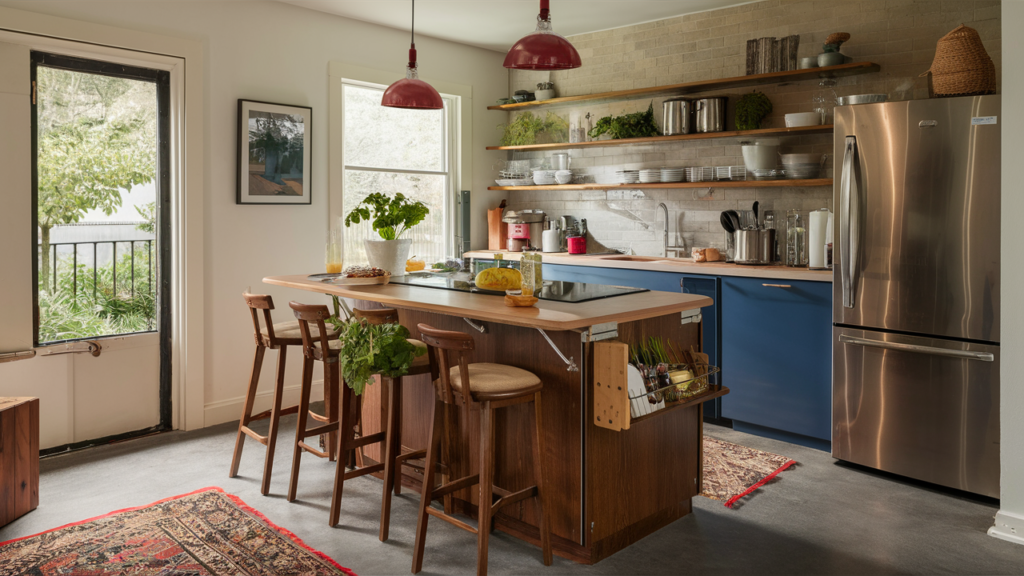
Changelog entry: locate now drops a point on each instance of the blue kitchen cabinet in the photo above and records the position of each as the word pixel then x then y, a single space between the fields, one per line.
pixel 777 358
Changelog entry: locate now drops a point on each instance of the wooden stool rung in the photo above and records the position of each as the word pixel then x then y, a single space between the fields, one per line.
pixel 364 440
pixel 249 432
pixel 363 471
pixel 453 521
pixel 318 417
pixel 514 497
pixel 459 484
pixel 313 451
pixel 318 430
pixel 267 413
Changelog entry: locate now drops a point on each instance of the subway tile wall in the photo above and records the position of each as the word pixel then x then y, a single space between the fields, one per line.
pixel 899 35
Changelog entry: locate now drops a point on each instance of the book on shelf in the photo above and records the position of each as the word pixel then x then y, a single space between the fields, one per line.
pixel 770 54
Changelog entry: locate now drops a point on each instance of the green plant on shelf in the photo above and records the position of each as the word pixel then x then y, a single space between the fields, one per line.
pixel 633 125
pixel 751 110
pixel 528 129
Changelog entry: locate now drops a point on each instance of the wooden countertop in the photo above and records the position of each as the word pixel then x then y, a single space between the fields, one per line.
pixel 677 265
pixel 546 314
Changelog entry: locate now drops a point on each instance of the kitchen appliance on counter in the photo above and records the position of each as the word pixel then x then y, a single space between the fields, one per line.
pixel 566 225
pixel 525 228
pixel 577 238
pixel 916 293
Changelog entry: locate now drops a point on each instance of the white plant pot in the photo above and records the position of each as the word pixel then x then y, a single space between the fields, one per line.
pixel 388 255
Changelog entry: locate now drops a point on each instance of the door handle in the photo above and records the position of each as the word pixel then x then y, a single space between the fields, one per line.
pixel 962 354
pixel 849 225
pixel 777 285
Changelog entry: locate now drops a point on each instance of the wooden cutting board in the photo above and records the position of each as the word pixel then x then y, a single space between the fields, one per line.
pixel 497 231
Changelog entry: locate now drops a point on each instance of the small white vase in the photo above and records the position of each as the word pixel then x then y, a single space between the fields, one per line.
pixel 388 255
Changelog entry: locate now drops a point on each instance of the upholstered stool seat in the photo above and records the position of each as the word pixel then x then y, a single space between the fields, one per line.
pixel 488 380
pixel 290 331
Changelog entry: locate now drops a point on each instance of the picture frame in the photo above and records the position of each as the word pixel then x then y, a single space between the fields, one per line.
pixel 274 153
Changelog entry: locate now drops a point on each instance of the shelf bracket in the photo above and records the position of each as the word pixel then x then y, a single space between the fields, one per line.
pixel 691 316
pixel 568 361
pixel 598 332
pixel 478 327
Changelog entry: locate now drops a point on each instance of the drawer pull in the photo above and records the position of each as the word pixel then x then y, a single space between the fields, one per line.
pixel 777 285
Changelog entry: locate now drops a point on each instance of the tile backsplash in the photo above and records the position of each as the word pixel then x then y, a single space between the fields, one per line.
pixel 899 35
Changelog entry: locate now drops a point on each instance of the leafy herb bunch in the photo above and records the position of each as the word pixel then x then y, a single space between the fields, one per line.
pixel 751 109
pixel 635 125
pixel 390 216
pixel 368 349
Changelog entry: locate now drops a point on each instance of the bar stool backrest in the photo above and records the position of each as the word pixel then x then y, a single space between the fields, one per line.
pixel 377 316
pixel 440 344
pixel 318 314
pixel 266 303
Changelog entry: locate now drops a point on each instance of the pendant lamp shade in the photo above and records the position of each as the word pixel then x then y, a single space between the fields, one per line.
pixel 544 49
pixel 411 92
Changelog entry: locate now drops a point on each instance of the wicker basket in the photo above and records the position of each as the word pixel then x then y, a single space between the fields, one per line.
pixel 962 67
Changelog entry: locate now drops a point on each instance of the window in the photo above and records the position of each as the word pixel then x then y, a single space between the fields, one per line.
pixel 391 150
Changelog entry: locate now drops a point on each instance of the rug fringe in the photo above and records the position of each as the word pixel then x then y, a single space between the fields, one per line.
pixel 763 481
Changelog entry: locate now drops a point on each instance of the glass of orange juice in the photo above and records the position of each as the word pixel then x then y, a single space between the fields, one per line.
pixel 332 254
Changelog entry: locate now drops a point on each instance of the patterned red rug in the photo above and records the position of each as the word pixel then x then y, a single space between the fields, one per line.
pixel 204 533
pixel 732 471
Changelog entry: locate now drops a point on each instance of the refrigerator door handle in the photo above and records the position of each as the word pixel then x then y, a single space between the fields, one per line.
pixel 963 354
pixel 849 225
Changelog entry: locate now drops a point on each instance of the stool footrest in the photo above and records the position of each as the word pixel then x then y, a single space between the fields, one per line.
pixel 453 521
pixel 266 413
pixel 318 430
pixel 248 432
pixel 364 440
pixel 312 450
pixel 318 417
pixel 513 498
pixel 363 471
pixel 400 460
pixel 459 484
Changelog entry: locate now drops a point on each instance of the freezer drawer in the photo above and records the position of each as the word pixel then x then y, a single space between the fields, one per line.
pixel 919 407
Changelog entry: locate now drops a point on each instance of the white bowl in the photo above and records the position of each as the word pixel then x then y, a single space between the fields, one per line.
pixel 801 158
pixel 563 178
pixel 760 157
pixel 803 119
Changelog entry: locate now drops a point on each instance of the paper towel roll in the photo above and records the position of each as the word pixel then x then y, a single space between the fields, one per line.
pixel 816 238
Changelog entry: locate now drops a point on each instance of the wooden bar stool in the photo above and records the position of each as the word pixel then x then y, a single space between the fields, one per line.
pixel 390 437
pixel 273 337
pixel 485 387
pixel 318 343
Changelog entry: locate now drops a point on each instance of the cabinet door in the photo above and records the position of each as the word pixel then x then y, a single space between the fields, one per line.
pixel 710 323
pixel 777 354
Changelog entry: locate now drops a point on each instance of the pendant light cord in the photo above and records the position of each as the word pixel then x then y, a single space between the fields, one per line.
pixel 412 29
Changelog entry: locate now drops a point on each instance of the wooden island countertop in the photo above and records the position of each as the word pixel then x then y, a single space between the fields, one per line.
pixel 547 315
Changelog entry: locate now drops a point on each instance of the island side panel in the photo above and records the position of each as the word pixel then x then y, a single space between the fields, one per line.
pixel 643 478
pixel 562 421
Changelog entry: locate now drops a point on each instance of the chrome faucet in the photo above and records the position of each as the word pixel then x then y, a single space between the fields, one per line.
pixel 674 249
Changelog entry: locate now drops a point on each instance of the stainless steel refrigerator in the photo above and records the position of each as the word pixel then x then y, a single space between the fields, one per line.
pixel 915 347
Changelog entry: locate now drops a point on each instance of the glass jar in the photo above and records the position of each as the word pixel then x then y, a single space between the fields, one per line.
pixel 824 99
pixel 796 239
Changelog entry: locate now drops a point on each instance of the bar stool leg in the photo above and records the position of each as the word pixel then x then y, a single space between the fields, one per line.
pixel 300 427
pixel 486 486
pixel 275 418
pixel 250 398
pixel 331 407
pixel 346 436
pixel 538 467
pixel 433 448
pixel 391 449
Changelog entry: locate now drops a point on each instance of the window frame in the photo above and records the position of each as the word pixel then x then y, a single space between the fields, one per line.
pixel 451 160
pixel 460 153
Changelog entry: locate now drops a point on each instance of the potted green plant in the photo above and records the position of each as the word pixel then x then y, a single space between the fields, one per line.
pixel 368 349
pixel 390 218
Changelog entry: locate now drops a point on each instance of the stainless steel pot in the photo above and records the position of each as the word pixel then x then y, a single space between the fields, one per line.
pixel 709 114
pixel 677 118
pixel 754 246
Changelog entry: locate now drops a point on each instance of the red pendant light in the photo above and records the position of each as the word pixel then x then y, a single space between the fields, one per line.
pixel 543 50
pixel 411 92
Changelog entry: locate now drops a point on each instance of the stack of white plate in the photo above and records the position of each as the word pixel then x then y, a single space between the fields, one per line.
pixel 627 176
pixel 650 175
pixel 673 174
pixel 802 171
pixel 544 177
pixel 514 181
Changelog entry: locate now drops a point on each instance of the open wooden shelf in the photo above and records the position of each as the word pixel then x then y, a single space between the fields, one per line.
pixel 701 86
pixel 670 185
pixel 827 128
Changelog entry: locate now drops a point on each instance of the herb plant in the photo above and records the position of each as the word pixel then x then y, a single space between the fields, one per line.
pixel 526 128
pixel 634 125
pixel 368 349
pixel 751 109
pixel 390 216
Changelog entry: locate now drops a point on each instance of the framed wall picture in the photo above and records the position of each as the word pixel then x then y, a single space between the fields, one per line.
pixel 274 153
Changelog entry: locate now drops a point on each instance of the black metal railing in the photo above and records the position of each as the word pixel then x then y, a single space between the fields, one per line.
pixel 95 261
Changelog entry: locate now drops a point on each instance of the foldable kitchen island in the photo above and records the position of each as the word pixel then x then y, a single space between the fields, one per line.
pixel 609 484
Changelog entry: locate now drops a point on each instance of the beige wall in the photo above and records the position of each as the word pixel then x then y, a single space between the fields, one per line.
pixel 898 35
pixel 276 52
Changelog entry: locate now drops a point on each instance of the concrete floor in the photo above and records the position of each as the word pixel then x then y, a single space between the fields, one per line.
pixel 816 518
